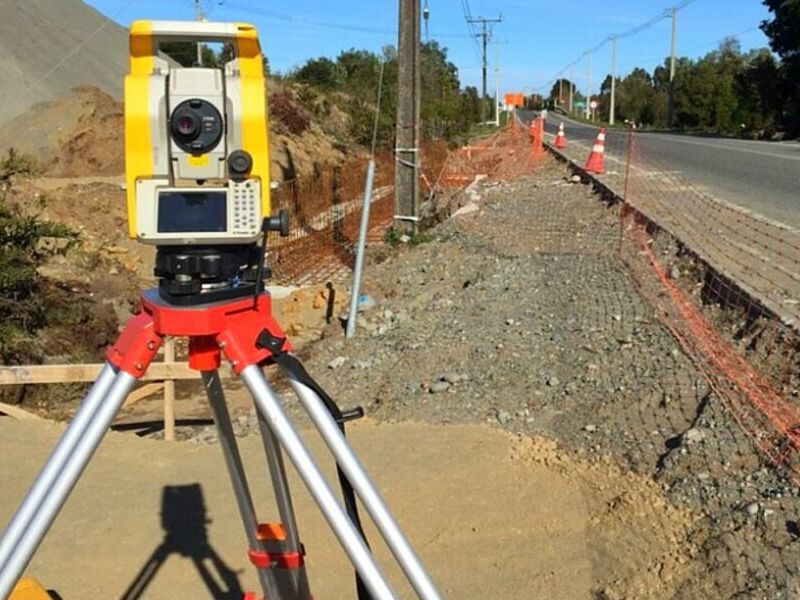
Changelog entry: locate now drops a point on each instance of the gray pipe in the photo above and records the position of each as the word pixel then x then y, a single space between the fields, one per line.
pixel 360 250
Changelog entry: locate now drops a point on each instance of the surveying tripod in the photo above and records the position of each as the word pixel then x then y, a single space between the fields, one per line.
pixel 245 331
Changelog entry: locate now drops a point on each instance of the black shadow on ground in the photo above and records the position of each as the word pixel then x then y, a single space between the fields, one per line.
pixel 184 520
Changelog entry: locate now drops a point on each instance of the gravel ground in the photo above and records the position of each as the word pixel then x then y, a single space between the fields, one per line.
pixel 520 314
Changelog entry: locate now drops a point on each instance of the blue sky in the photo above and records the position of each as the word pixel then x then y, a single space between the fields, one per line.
pixel 536 39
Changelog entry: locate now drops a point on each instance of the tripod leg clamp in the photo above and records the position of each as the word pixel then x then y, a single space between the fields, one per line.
pixel 136 347
pixel 262 559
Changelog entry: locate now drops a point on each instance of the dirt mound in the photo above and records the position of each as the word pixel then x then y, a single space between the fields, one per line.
pixel 47 48
pixel 82 134
pixel 77 135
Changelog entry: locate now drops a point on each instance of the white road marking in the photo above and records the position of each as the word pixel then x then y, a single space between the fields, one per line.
pixel 721 145
pixel 730 148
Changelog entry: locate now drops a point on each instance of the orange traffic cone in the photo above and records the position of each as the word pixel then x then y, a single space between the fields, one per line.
pixel 596 161
pixel 533 130
pixel 538 139
pixel 561 139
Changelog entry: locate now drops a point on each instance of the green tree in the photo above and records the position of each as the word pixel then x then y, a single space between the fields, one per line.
pixel 559 93
pixel 759 88
pixel 635 98
pixel 470 106
pixel 26 242
pixel 783 31
pixel 727 64
pixel 319 72
pixel 441 97
pixel 351 82
pixel 185 54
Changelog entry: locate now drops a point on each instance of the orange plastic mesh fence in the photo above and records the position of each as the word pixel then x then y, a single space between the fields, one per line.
pixel 725 282
pixel 504 155
pixel 325 209
pixel 325 215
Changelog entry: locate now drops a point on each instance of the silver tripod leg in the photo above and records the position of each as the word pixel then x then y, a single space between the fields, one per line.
pixel 65 478
pixel 283 499
pixel 233 462
pixel 52 468
pixel 270 407
pixel 366 490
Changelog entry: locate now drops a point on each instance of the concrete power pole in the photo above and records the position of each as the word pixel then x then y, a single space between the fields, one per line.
pixel 497 86
pixel 199 16
pixel 485 34
pixel 407 155
pixel 612 109
pixel 671 109
pixel 571 90
pixel 588 110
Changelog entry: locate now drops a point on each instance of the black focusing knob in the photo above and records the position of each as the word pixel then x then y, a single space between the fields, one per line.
pixel 279 223
pixel 240 163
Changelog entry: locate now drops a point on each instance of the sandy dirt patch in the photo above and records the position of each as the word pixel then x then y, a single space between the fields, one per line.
pixel 492 515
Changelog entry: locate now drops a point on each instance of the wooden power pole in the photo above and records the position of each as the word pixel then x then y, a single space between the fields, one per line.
pixel 407 154
pixel 484 35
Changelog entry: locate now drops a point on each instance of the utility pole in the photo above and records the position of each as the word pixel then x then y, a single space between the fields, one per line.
pixel 407 156
pixel 199 16
pixel 671 109
pixel 497 86
pixel 588 111
pixel 571 90
pixel 485 34
pixel 612 108
pixel 426 14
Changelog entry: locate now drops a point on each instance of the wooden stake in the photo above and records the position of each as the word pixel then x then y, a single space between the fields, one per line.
pixel 169 393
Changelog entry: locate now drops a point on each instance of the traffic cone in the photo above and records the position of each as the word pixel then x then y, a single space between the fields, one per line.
pixel 533 130
pixel 595 162
pixel 538 140
pixel 561 139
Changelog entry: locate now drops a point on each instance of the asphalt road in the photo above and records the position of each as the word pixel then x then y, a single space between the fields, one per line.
pixel 763 177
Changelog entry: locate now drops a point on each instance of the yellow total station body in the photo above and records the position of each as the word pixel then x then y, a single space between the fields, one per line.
pixel 148 147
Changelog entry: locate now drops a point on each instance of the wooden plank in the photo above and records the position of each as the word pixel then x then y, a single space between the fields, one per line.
pixel 21 375
pixel 142 392
pixel 18 413
pixel 169 394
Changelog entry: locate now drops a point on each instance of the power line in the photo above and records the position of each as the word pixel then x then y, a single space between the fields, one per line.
pixel 665 14
pixel 470 29
pixel 324 24
pixel 715 42
pixel 485 34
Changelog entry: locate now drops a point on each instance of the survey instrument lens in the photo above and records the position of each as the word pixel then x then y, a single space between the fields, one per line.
pixel 197 126
pixel 187 126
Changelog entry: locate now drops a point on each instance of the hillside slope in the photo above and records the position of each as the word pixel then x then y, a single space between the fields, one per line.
pixel 37 35
pixel 80 134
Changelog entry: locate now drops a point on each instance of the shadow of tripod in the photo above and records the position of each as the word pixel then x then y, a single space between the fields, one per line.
pixel 184 520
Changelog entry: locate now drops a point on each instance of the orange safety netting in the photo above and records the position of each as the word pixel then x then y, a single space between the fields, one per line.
pixel 723 280
pixel 325 210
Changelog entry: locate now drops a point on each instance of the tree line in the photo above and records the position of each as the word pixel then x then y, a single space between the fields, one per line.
pixel 727 91
pixel 351 82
